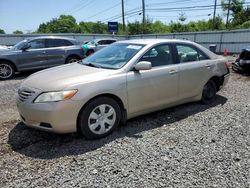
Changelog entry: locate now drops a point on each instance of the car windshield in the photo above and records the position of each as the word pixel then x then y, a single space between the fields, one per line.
pixel 114 56
pixel 19 45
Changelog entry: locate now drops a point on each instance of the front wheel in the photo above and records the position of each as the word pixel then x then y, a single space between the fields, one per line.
pixel 99 118
pixel 7 70
pixel 209 92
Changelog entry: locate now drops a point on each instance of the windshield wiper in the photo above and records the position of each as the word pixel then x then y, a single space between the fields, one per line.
pixel 93 65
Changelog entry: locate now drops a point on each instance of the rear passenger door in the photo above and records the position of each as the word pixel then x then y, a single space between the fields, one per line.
pixel 55 51
pixel 194 72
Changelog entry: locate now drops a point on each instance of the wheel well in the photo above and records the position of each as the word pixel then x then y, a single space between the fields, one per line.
pixel 13 64
pixel 218 82
pixel 90 50
pixel 112 96
pixel 72 55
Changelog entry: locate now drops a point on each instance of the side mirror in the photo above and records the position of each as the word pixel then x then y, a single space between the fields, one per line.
pixel 25 47
pixel 143 65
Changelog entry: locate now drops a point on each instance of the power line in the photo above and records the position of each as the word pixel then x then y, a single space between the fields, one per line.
pixel 98 13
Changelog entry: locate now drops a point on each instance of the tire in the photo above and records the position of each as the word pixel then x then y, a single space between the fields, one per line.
pixel 89 52
pixel 208 92
pixel 72 59
pixel 7 70
pixel 99 118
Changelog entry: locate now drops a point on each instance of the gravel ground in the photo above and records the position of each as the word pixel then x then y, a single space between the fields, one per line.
pixel 191 145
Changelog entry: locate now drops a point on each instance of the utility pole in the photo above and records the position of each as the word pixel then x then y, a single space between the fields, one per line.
pixel 123 17
pixel 215 6
pixel 228 11
pixel 143 15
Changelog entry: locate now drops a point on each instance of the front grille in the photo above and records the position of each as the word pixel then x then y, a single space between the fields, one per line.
pixel 24 95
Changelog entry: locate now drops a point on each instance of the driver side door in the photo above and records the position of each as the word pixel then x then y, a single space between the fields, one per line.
pixel 33 57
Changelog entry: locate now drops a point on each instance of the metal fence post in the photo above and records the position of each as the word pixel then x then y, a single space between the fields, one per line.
pixel 221 38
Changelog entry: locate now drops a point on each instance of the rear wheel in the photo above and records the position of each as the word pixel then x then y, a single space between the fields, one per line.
pixel 209 92
pixel 99 118
pixel 7 70
pixel 73 59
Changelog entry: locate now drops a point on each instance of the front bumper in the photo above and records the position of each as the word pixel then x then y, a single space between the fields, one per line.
pixel 225 79
pixel 243 67
pixel 57 117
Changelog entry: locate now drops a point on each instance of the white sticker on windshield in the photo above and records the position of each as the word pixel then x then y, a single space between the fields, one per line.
pixel 135 47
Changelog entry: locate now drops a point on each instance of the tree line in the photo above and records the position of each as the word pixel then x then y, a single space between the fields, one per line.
pixel 239 19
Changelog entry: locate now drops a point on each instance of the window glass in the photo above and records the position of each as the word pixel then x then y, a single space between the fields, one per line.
pixel 113 56
pixel 36 44
pixel 102 42
pixel 67 43
pixel 110 41
pixel 50 43
pixel 158 56
pixel 188 54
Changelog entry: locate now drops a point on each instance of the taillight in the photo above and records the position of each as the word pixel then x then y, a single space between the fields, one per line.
pixel 82 50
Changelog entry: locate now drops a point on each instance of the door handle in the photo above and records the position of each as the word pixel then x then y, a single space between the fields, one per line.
pixel 173 72
pixel 44 52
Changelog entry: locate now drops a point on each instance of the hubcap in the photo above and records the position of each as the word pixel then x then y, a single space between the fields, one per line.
pixel 5 71
pixel 73 60
pixel 102 119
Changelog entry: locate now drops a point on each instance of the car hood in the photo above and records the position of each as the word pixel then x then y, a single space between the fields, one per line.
pixel 62 77
pixel 6 51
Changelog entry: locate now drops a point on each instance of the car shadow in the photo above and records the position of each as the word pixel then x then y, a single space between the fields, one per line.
pixel 22 75
pixel 43 145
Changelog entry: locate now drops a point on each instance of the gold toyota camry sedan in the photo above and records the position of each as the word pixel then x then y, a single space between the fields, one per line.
pixel 124 80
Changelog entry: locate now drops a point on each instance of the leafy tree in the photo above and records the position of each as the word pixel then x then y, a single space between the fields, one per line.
pixel 241 17
pixel 2 31
pixel 63 24
pixel 235 6
pixel 216 24
pixel 182 17
pixel 134 28
pixel 17 32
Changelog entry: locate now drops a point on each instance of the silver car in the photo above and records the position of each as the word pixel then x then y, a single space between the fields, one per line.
pixel 119 82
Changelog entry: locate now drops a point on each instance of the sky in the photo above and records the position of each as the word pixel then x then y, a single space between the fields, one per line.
pixel 26 15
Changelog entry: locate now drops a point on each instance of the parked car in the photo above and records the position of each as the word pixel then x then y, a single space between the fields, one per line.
pixel 121 81
pixel 39 53
pixel 242 64
pixel 95 45
pixel 2 47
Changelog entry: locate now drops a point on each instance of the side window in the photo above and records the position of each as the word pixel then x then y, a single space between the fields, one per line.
pixel 36 44
pixel 158 56
pixel 110 41
pixel 67 43
pixel 102 42
pixel 50 43
pixel 188 53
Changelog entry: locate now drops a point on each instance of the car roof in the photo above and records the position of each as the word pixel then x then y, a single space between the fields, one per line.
pixel 155 41
pixel 152 42
pixel 51 37
pixel 105 39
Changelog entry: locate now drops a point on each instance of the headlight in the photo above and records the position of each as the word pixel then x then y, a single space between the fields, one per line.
pixel 55 96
